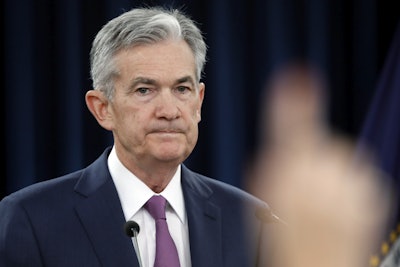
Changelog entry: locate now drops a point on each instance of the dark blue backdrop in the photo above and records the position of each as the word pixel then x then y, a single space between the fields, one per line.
pixel 49 131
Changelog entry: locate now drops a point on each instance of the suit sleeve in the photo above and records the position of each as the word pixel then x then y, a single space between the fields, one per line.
pixel 18 245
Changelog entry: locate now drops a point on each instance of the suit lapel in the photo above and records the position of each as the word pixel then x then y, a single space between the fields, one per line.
pixel 204 222
pixel 102 217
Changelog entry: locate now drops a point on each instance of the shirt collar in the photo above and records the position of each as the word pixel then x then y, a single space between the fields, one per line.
pixel 133 193
pixel 173 194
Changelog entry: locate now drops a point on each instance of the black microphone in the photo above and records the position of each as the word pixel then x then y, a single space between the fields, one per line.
pixel 132 229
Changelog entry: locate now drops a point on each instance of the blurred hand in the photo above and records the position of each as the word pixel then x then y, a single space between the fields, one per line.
pixel 333 201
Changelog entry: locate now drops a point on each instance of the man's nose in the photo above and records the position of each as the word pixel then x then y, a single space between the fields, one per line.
pixel 167 105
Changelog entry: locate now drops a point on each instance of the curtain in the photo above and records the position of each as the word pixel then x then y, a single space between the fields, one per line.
pixel 46 43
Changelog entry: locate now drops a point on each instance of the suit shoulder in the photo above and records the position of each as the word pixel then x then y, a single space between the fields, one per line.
pixel 45 189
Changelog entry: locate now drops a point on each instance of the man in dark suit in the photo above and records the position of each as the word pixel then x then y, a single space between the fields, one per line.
pixel 146 67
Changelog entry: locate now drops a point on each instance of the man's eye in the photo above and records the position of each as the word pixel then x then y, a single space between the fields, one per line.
pixel 182 89
pixel 143 90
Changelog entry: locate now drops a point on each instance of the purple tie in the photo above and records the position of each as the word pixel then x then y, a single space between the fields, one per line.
pixel 166 253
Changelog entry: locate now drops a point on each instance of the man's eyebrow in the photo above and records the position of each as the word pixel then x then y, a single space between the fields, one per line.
pixel 142 80
pixel 185 79
pixel 149 81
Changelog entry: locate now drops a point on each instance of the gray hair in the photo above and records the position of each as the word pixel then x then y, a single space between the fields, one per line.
pixel 136 27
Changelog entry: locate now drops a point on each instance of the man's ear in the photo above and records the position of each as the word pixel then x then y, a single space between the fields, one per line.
pixel 98 104
pixel 202 88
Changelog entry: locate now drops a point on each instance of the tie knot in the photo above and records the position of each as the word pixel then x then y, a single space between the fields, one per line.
pixel 156 207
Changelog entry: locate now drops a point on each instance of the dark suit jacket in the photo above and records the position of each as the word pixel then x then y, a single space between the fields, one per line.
pixel 77 220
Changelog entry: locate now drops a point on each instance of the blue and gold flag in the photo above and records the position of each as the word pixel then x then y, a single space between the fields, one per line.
pixel 381 132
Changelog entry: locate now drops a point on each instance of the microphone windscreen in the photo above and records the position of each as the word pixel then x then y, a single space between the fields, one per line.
pixel 131 227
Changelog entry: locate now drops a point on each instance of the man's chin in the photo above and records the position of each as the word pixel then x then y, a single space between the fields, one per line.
pixel 166 153
pixel 171 156
pixel 171 151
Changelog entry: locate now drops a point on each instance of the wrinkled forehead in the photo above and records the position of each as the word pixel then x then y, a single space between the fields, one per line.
pixel 163 60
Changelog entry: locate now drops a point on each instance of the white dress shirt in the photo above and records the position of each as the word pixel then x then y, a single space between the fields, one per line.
pixel 133 194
